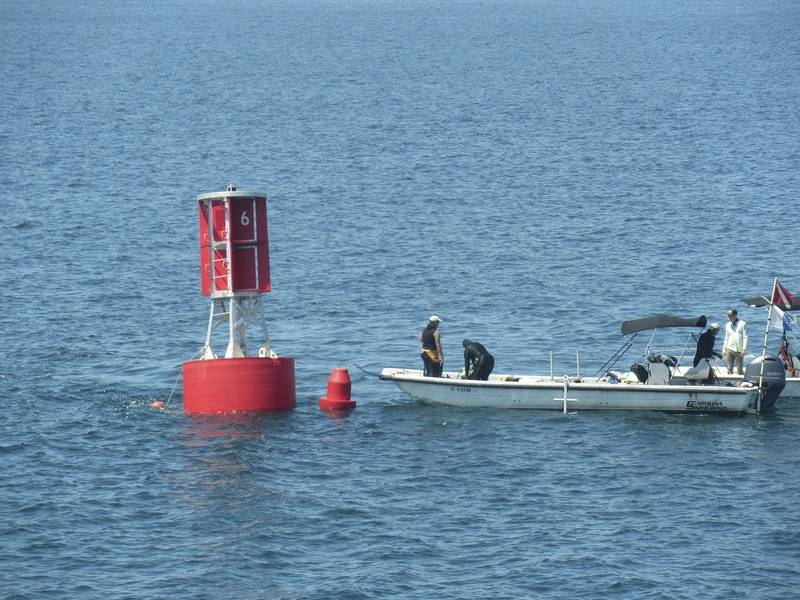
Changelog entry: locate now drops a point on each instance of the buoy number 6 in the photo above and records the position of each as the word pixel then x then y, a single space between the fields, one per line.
pixel 245 220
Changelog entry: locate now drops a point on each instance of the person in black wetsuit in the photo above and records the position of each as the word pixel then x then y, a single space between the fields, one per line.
pixel 478 363
pixel 432 355
pixel 705 345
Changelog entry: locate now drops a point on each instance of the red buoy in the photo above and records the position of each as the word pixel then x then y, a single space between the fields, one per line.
pixel 338 397
pixel 234 268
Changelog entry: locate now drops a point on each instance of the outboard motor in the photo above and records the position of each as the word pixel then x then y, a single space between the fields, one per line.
pixel 773 382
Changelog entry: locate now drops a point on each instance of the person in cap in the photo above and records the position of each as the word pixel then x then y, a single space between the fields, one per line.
pixel 478 363
pixel 705 345
pixel 735 346
pixel 432 355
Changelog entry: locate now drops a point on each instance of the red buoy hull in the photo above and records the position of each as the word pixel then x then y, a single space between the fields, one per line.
pixel 236 385
pixel 338 397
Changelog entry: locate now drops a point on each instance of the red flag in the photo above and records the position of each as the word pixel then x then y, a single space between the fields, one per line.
pixel 781 297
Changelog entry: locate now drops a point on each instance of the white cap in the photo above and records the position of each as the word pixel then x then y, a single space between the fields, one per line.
pixel 714 326
pixel 434 319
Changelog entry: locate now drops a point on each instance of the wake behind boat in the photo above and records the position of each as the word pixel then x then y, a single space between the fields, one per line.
pixel 649 386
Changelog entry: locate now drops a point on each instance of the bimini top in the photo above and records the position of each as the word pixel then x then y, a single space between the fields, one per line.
pixel 661 322
pixel 762 301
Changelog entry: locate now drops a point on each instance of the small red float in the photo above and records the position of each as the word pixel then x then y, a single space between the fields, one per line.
pixel 234 265
pixel 338 397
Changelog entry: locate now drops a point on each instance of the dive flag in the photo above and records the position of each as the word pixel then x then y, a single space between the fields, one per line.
pixel 781 297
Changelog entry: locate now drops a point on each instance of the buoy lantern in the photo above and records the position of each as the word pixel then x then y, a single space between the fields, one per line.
pixel 338 397
pixel 234 266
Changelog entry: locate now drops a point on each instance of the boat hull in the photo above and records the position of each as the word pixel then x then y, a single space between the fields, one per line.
pixel 543 393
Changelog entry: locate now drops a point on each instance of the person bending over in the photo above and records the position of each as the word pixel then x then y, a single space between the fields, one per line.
pixel 478 363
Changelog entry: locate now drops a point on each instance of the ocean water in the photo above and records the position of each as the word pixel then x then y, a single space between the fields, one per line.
pixel 533 172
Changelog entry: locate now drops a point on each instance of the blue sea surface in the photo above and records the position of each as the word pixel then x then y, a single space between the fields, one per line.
pixel 534 172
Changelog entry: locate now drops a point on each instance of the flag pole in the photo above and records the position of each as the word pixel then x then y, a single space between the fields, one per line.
pixel 764 348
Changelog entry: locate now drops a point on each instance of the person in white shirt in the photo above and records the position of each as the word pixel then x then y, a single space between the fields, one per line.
pixel 735 346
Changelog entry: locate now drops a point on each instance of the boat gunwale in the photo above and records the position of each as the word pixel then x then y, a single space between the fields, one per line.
pixel 559 385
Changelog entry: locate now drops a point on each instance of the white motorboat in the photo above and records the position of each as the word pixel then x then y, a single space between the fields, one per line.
pixel 649 386
pixel 541 392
